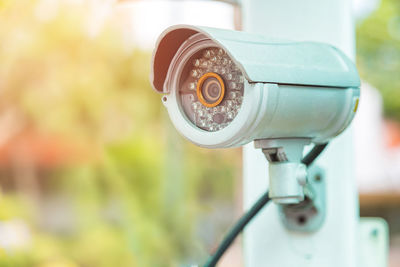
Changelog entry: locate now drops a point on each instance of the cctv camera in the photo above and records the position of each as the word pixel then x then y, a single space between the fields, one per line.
pixel 226 88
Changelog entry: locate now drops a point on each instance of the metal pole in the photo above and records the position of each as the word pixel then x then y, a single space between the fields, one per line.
pixel 267 242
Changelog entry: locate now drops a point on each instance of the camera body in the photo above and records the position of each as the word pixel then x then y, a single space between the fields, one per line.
pixel 226 88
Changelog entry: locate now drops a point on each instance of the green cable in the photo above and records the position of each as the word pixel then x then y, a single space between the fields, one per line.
pixel 237 228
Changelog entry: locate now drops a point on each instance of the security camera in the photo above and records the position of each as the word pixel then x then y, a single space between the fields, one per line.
pixel 226 88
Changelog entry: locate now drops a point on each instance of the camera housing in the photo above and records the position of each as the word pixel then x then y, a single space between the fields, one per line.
pixel 225 88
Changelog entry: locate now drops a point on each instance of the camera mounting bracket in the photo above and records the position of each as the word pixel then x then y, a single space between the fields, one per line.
pixel 287 175
pixel 308 215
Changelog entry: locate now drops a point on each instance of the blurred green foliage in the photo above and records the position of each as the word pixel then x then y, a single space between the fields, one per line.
pixel 378 53
pixel 135 200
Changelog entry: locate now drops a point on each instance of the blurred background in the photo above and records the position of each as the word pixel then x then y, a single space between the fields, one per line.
pixel 92 173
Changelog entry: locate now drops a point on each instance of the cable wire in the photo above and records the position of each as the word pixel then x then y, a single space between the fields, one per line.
pixel 313 154
pixel 237 228
pixel 249 215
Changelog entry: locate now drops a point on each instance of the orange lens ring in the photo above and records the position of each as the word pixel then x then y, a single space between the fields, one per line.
pixel 200 94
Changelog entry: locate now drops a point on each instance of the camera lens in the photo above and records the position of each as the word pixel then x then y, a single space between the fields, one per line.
pixel 210 89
